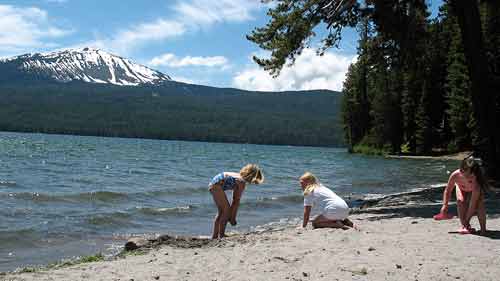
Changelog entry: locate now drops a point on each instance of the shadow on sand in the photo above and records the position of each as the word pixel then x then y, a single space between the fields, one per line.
pixel 492 234
pixel 423 203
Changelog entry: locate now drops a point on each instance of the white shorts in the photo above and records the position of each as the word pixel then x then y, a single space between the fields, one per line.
pixel 338 215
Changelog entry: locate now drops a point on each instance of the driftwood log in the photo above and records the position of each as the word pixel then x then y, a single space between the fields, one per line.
pixel 135 243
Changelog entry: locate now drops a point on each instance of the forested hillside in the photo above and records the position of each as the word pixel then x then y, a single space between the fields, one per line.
pixel 172 111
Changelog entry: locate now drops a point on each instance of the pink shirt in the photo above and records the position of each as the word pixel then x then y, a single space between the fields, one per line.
pixel 463 183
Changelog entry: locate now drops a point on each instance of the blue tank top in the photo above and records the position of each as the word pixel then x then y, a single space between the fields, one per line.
pixel 229 182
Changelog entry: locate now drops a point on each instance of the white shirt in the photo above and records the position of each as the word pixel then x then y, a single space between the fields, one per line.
pixel 326 200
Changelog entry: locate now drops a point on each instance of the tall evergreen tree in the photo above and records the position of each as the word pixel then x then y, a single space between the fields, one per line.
pixel 406 99
pixel 458 90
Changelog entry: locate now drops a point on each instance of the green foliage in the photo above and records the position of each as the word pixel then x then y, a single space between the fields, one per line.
pixel 292 23
pixel 173 111
pixel 355 105
pixel 405 148
pixel 458 90
pixel 411 78
pixel 88 259
pixel 369 150
pixel 64 263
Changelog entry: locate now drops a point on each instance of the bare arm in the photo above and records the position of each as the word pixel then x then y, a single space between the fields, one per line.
pixel 307 212
pixel 447 193
pixel 237 192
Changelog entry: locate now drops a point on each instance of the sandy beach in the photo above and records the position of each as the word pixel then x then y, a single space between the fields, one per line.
pixel 396 242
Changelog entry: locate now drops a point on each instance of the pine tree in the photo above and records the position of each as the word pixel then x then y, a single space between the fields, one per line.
pixel 458 91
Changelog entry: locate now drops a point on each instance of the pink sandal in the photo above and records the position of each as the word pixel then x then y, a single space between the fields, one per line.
pixel 465 230
pixel 443 216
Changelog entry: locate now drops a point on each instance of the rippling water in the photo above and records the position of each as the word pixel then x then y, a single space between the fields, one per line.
pixel 64 196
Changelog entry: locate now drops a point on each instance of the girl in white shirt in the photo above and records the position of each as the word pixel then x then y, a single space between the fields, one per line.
pixel 333 210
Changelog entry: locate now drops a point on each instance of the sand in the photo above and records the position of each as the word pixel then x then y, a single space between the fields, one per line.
pixel 399 248
pixel 398 240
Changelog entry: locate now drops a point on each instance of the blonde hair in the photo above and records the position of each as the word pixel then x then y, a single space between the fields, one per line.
pixel 312 182
pixel 251 173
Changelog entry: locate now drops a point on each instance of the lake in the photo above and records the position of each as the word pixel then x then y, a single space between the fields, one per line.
pixel 65 196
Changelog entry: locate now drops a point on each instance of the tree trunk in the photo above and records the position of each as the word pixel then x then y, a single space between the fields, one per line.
pixel 483 91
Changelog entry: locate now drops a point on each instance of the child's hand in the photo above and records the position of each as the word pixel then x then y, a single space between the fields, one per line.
pixel 232 222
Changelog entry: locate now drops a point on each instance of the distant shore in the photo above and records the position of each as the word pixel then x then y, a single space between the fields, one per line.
pixel 398 241
pixel 454 156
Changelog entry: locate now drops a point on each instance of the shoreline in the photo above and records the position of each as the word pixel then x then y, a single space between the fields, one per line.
pixel 357 206
pixel 454 156
pixel 398 248
pixel 398 241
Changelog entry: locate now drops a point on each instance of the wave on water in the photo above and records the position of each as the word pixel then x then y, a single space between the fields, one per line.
pixel 24 238
pixel 176 191
pixel 97 196
pixel 111 219
pixel 165 211
pixel 8 183
pixel 272 202
pixel 287 198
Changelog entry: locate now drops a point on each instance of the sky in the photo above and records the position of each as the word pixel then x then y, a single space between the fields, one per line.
pixel 193 41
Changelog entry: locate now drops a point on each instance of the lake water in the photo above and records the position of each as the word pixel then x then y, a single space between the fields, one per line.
pixel 66 196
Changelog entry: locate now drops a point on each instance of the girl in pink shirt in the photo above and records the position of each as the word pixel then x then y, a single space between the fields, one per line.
pixel 470 187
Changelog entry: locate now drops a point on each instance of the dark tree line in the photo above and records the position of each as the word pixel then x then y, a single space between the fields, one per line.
pixel 420 84
pixel 173 111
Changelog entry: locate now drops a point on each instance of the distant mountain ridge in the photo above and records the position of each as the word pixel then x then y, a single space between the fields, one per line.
pixel 86 64
pixel 91 92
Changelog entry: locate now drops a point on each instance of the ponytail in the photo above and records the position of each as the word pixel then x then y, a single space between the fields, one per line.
pixel 312 180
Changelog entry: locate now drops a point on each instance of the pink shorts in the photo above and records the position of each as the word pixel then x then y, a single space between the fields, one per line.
pixel 462 196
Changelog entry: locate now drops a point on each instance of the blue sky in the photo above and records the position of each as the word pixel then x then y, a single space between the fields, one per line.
pixel 195 41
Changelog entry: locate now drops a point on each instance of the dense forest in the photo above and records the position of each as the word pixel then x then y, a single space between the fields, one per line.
pixel 416 101
pixel 420 84
pixel 175 111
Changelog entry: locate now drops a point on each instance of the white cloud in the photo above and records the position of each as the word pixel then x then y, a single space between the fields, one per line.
pixel 25 28
pixel 188 15
pixel 203 12
pixel 172 60
pixel 128 40
pixel 151 31
pixel 57 1
pixel 309 72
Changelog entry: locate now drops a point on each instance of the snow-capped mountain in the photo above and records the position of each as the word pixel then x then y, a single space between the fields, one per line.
pixel 88 65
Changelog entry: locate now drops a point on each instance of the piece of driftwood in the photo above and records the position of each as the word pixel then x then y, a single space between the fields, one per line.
pixel 135 243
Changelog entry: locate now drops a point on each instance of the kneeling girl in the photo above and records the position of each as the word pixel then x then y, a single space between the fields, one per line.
pixel 333 210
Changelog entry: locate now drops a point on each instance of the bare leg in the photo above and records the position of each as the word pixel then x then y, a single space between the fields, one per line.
pixel 322 222
pixel 481 214
pixel 463 199
pixel 222 203
pixel 462 211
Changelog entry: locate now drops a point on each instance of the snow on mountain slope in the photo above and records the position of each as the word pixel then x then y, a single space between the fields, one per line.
pixel 89 65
